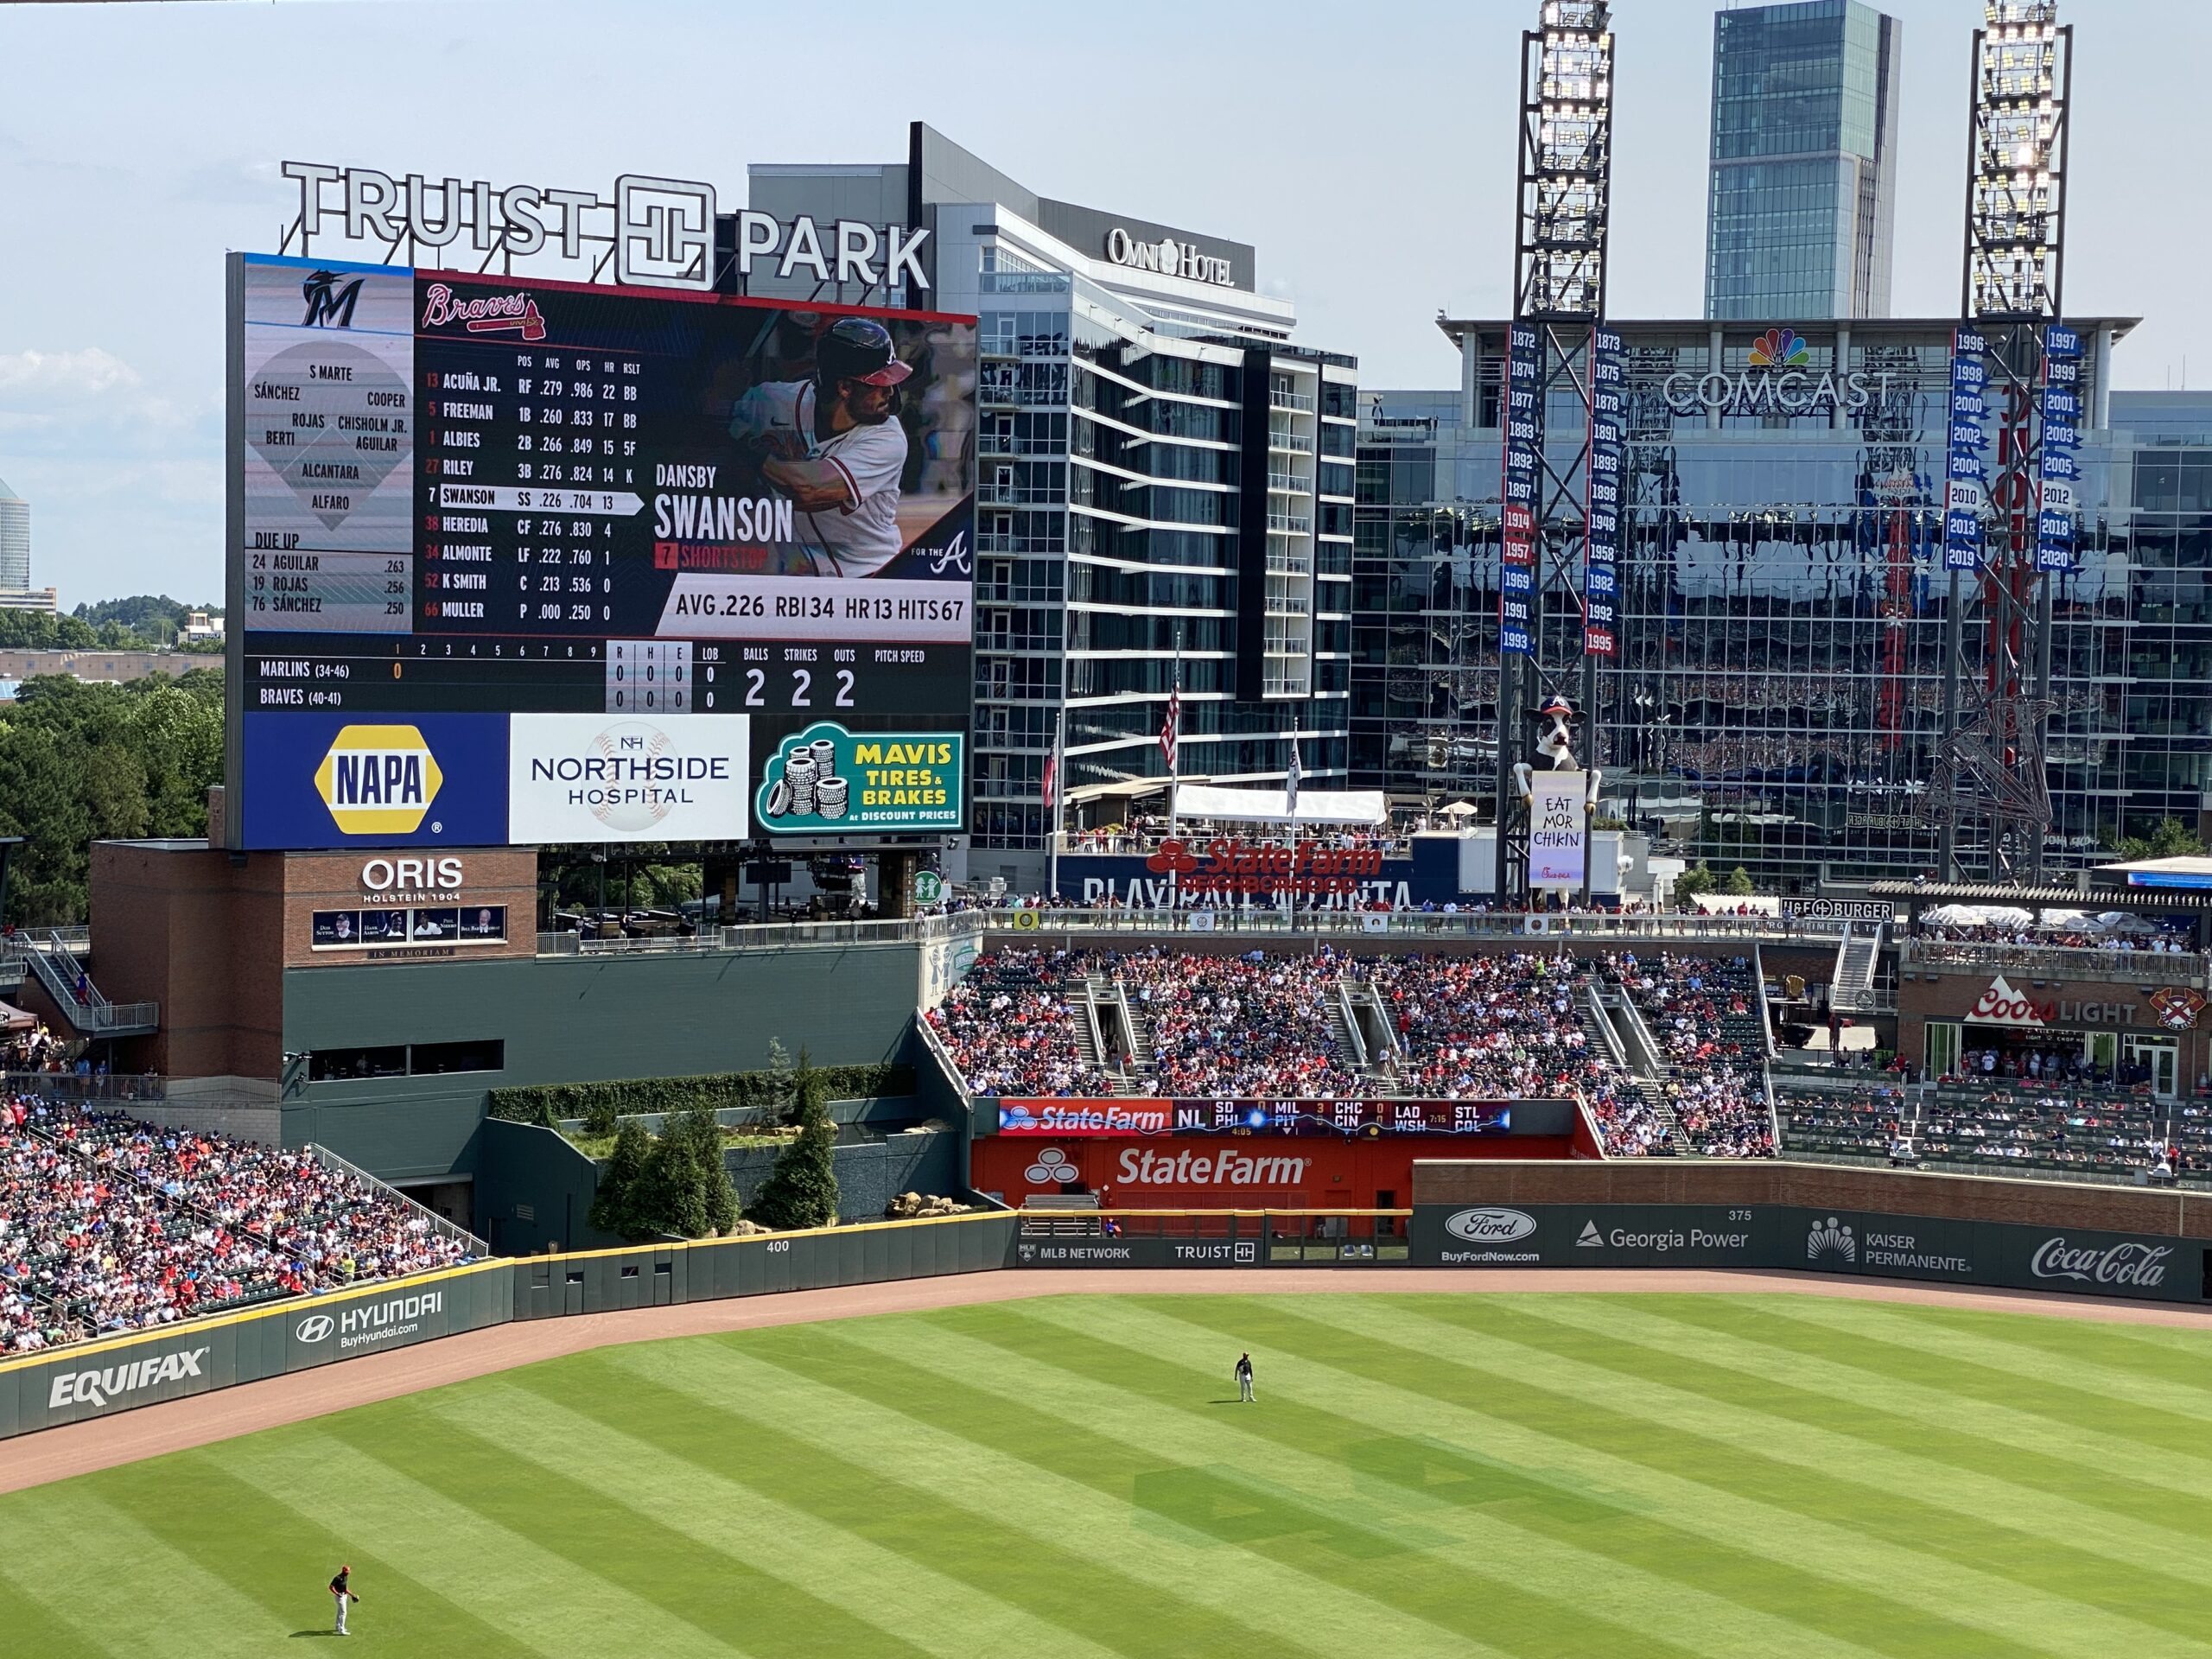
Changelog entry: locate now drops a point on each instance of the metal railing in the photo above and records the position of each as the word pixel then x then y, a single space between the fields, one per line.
pixel 64 980
pixel 439 1225
pixel 2055 961
pixel 146 1088
pixel 1534 929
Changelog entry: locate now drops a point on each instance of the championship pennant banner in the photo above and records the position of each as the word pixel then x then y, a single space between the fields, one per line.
pixel 1524 448
pixel 2062 438
pixel 1966 491
pixel 1602 544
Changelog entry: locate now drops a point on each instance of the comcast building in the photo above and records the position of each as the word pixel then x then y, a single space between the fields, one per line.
pixel 1164 494
pixel 1776 698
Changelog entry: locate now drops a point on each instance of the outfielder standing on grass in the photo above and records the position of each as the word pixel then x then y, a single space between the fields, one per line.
pixel 341 1587
pixel 1243 1377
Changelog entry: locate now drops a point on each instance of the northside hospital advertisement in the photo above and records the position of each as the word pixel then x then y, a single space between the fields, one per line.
pixel 525 561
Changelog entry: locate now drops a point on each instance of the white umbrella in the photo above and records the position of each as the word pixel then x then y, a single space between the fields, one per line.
pixel 1458 809
pixel 2119 921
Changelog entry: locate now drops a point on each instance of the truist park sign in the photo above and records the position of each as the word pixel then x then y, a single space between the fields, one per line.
pixel 659 232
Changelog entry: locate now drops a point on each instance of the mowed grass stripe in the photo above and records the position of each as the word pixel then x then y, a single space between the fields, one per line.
pixel 525 1591
pixel 2162 1353
pixel 2018 1407
pixel 2113 1475
pixel 2160 1414
pixel 1339 1466
pixel 610 1533
pixel 1976 1517
pixel 34 1626
pixel 1549 1488
pixel 1155 1587
pixel 1482 1406
pixel 131 1594
pixel 1320 1542
pixel 274 1553
pixel 606 1443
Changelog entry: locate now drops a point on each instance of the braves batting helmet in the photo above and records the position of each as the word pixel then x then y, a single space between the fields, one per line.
pixel 858 348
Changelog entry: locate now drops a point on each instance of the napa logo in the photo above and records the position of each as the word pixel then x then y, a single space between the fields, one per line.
pixel 1779 348
pixel 378 780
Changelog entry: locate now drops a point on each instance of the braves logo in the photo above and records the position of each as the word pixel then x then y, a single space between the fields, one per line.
pixel 1173 858
pixel 2177 1009
pixel 953 554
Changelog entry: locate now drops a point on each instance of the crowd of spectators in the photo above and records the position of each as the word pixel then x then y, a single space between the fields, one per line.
pixel 1234 1027
pixel 1262 1025
pixel 33 1048
pixel 2070 1131
pixel 107 1224
pixel 1010 1026
pixel 1488 1027
pixel 1867 1122
pixel 1702 1013
pixel 2055 1063
pixel 2063 936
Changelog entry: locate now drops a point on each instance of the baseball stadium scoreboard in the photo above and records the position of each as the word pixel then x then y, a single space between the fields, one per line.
pixel 515 561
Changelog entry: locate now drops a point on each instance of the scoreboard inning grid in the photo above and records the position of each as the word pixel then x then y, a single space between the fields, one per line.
pixel 460 504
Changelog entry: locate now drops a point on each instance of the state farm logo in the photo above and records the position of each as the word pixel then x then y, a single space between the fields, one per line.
pixel 1051 1169
pixel 1491 1226
pixel 1173 858
pixel 316 1328
pixel 487 314
pixel 2124 1263
pixel 1831 1238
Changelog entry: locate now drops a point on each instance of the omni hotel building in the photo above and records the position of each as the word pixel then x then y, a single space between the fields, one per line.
pixel 1165 486
pixel 1776 702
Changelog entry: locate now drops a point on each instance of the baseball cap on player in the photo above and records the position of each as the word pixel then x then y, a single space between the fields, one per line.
pixel 858 348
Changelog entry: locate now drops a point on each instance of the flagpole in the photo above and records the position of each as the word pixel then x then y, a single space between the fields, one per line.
pixel 1290 801
pixel 1175 754
pixel 1056 789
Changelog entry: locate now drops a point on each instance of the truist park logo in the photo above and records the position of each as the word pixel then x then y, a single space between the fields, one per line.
pixel 99 1388
pixel 487 314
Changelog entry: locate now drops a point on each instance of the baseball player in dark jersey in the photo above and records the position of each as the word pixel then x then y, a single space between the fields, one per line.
pixel 833 445
pixel 1244 1377
pixel 342 1588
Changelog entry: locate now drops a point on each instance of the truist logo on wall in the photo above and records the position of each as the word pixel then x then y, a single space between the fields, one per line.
pixel 2124 1263
pixel 99 1388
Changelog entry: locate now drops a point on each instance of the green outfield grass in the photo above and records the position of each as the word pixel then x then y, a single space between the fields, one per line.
pixel 1556 1475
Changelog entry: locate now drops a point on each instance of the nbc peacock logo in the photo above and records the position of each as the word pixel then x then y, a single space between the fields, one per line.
pixel 1831 1238
pixel 1780 348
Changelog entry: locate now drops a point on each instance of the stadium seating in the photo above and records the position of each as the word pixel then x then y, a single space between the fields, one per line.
pixel 1702 1012
pixel 1865 1123
pixel 107 1224
pixel 2026 1130
pixel 1010 1025
pixel 1252 1025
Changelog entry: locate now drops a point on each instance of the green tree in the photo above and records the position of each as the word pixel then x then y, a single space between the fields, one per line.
pixel 801 1189
pixel 672 1199
pixel 1693 881
pixel 2171 839
pixel 701 1132
pixel 612 1206
pixel 1740 883
pixel 783 1090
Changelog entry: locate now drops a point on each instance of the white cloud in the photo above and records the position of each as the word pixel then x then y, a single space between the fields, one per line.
pixel 90 373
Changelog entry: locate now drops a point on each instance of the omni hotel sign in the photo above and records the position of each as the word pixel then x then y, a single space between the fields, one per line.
pixel 1169 257
pixel 1776 380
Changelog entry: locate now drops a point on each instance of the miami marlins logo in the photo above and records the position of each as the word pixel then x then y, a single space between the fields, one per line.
pixel 329 306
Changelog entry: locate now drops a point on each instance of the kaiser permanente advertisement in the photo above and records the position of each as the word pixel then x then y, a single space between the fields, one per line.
pixel 828 781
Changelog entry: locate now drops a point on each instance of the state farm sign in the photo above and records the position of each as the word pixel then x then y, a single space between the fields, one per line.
pixel 1138 1166
pixel 1232 865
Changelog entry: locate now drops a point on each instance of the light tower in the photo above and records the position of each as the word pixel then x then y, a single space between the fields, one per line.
pixel 2016 412
pixel 1562 500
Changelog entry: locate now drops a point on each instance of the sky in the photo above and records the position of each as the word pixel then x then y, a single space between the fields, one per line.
pixel 1367 151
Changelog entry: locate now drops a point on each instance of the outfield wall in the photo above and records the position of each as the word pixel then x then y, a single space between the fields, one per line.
pixel 1959 1229
pixel 97 1379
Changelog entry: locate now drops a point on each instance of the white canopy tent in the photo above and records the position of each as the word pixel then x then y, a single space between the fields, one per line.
pixel 1362 806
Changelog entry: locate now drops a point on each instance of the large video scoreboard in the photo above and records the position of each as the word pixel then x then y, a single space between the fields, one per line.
pixel 517 561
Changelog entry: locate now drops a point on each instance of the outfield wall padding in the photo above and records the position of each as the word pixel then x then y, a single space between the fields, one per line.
pixel 97 1379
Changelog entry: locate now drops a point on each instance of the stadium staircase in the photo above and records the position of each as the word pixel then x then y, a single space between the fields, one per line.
pixel 1105 1032
pixel 1343 1020
pixel 1647 1069
pixel 1857 959
pixel 53 962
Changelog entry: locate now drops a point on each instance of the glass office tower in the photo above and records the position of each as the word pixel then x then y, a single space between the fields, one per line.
pixel 1776 702
pixel 1803 162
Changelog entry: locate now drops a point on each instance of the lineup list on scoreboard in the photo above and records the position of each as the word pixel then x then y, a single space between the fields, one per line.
pixel 513 498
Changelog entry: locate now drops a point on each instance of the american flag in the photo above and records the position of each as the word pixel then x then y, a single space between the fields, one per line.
pixel 1170 726
pixel 1051 775
pixel 1290 805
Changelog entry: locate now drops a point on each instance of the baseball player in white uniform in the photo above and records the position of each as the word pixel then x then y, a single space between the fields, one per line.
pixel 832 445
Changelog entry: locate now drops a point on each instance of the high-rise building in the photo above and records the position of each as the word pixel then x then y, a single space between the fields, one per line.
pixel 14 541
pixel 1163 498
pixel 1803 181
